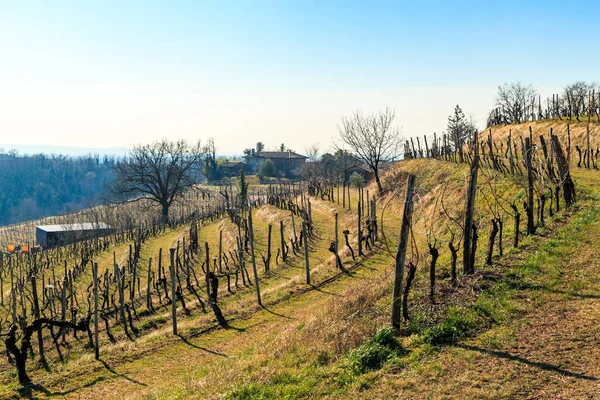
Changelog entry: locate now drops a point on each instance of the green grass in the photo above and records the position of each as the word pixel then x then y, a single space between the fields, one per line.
pixel 458 323
pixel 490 317
pixel 375 352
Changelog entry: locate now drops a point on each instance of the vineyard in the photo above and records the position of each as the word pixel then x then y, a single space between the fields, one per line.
pixel 282 292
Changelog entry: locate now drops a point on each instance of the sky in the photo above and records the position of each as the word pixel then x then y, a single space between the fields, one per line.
pixel 100 74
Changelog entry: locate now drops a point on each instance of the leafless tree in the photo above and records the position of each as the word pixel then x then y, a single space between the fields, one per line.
pixel 159 172
pixel 514 100
pixel 372 138
pixel 577 95
pixel 312 152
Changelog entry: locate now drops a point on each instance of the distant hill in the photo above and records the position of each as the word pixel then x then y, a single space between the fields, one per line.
pixel 66 150
pixel 36 186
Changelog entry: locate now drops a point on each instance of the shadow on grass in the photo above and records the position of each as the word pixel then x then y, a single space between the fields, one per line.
pixel 541 365
pixel 186 341
pixel 543 288
pixel 112 371
pixel 274 313
pixel 28 391
pixel 318 289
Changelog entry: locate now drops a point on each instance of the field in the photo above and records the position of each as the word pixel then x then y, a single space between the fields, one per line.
pixel 522 325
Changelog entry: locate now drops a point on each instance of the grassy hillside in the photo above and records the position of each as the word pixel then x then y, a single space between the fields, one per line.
pixel 523 327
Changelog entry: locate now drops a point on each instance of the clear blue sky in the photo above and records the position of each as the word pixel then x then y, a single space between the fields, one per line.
pixel 106 74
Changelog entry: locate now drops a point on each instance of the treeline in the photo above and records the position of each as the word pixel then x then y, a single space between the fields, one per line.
pixel 516 103
pixel 37 186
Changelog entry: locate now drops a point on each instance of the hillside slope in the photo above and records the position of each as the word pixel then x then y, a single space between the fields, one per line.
pixel 523 327
pixel 578 130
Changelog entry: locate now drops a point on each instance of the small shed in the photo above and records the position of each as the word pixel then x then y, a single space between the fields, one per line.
pixel 365 171
pixel 58 235
pixel 361 169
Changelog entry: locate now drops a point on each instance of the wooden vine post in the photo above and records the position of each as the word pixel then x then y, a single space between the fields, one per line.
pixel 36 308
pixel 510 152
pixel 530 200
pixel 568 187
pixel 310 220
pixel 221 251
pixel 283 255
pixel 149 286
pixel 589 149
pixel 337 243
pixel 359 231
pixel 268 263
pixel 120 274
pixel 401 252
pixel 468 267
pixel 307 262
pixel 173 298
pixel 251 232
pixel 95 277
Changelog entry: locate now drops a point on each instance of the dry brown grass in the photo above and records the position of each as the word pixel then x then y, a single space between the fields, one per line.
pixel 352 317
pixel 578 132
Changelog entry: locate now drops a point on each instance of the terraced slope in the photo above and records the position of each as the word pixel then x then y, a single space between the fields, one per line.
pixel 524 327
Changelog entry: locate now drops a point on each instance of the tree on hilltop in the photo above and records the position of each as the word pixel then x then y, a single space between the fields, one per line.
pixel 460 130
pixel 515 100
pixel 159 172
pixel 372 138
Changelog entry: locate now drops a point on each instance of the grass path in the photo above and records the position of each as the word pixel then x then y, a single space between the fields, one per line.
pixel 551 349
pixel 284 293
pixel 182 364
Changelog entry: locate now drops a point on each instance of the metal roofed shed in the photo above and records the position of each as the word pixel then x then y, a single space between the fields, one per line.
pixel 57 235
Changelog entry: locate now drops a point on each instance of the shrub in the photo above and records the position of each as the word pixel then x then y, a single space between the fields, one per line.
pixel 457 324
pixel 268 169
pixel 248 391
pixel 357 180
pixel 375 352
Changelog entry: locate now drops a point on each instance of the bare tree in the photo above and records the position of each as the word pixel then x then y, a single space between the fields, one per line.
pixel 372 138
pixel 210 169
pixel 159 172
pixel 577 95
pixel 515 100
pixel 312 152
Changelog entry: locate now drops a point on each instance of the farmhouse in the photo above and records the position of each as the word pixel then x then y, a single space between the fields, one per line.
pixel 287 162
pixel 232 168
pixel 57 235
